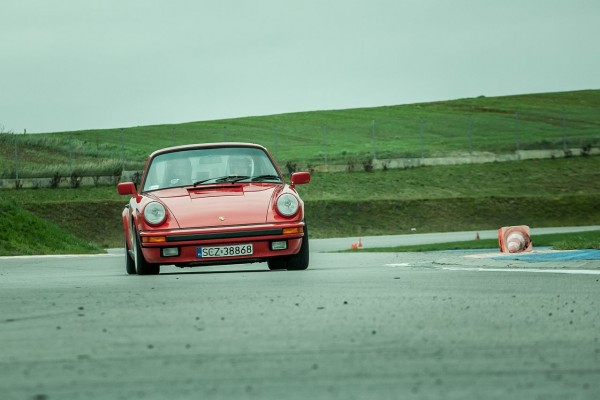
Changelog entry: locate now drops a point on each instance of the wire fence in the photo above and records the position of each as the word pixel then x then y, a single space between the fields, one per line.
pixel 306 143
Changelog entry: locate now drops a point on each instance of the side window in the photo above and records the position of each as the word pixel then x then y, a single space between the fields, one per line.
pixel 154 176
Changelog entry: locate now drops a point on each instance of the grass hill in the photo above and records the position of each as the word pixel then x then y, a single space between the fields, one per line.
pixel 483 124
pixel 553 192
pixel 559 192
pixel 24 233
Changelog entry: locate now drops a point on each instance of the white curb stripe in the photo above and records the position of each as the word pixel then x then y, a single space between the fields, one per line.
pixel 58 256
pixel 536 270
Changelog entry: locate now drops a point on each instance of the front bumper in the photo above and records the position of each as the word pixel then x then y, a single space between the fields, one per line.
pixel 187 241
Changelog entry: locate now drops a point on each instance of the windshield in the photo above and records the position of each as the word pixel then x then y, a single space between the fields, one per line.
pixel 205 166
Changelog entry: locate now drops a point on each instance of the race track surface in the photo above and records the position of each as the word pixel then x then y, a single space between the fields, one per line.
pixel 452 325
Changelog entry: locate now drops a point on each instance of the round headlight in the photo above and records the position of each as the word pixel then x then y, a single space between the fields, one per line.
pixel 154 213
pixel 287 205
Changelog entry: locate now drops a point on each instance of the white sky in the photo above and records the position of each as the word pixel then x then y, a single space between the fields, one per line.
pixel 85 64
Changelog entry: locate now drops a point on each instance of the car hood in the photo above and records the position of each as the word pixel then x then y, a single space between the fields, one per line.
pixel 220 205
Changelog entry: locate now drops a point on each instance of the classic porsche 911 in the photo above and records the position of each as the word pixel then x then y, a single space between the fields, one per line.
pixel 211 204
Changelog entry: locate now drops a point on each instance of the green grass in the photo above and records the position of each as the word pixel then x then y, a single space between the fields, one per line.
pixel 366 218
pixel 534 178
pixel 554 192
pixel 547 120
pixel 551 177
pixel 562 241
pixel 24 233
pixel 62 195
pixel 544 193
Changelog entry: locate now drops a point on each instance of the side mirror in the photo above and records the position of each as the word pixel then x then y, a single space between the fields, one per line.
pixel 300 178
pixel 128 188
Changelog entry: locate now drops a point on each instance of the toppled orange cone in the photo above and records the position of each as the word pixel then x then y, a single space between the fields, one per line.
pixel 514 239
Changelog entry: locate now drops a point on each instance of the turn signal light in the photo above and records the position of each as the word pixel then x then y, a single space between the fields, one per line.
pixel 154 239
pixel 291 231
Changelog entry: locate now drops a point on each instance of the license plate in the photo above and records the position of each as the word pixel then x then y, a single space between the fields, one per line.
pixel 237 250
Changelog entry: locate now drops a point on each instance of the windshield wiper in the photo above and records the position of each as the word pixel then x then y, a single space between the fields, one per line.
pixel 266 178
pixel 204 181
pixel 238 178
pixel 228 179
pixel 234 179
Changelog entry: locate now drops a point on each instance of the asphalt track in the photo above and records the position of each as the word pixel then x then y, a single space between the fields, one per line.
pixel 451 325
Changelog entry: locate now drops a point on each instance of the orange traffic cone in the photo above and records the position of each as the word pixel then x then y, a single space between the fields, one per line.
pixel 514 239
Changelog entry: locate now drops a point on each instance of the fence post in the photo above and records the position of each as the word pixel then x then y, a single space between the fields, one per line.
pixel 470 136
pixel 173 132
pixel 421 138
pixel 16 157
pixel 122 151
pixel 70 140
pixel 325 142
pixel 373 141
pixel 564 129
pixel 517 132
pixel 224 133
pixel 275 144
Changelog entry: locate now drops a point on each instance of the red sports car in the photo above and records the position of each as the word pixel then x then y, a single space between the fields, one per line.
pixel 210 204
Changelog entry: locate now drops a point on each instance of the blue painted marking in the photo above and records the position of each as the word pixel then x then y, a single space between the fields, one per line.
pixel 569 255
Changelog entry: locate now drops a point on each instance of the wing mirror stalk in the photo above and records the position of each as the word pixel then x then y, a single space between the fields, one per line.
pixel 128 188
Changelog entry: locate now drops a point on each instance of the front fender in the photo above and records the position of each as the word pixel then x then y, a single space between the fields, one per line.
pixel 126 219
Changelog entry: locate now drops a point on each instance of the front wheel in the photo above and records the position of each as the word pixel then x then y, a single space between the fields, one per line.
pixel 129 262
pixel 142 267
pixel 276 263
pixel 299 261
pixel 295 262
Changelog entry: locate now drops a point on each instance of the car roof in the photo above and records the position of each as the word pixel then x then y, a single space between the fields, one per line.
pixel 206 146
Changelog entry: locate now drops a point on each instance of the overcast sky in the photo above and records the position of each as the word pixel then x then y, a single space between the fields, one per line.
pixel 85 64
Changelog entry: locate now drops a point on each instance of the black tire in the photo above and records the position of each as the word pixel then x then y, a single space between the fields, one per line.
pixel 298 262
pixel 142 267
pixel 129 262
pixel 277 263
